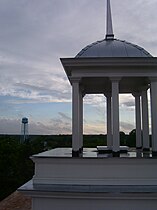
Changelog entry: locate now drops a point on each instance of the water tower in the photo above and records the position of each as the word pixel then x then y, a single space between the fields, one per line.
pixel 24 129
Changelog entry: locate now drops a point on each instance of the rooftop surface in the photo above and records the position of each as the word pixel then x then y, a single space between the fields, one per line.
pixel 89 188
pixel 16 201
pixel 91 153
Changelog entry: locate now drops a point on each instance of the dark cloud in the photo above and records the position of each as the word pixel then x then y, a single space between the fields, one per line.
pixel 128 104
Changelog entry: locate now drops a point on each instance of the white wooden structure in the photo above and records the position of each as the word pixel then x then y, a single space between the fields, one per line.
pixel 111 67
pixel 112 76
pixel 63 182
pixel 77 178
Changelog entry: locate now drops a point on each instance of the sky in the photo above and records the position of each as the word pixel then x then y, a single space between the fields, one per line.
pixel 35 34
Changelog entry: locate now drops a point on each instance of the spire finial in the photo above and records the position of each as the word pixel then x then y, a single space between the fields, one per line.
pixel 109 28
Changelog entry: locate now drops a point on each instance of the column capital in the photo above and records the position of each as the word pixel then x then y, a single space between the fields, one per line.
pixel 82 89
pixel 108 94
pixel 136 94
pixel 115 79
pixel 75 79
pixel 145 88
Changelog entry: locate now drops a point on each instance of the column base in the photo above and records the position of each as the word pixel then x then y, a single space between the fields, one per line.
pixel 146 149
pixel 138 147
pixel 105 151
pixel 154 154
pixel 75 153
pixel 81 150
pixel 116 154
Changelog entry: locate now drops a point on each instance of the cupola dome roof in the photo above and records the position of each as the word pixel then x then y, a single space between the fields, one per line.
pixel 113 48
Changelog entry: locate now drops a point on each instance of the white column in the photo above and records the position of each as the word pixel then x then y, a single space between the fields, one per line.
pixel 138 120
pixel 109 121
pixel 81 121
pixel 75 117
pixel 153 94
pixel 115 115
pixel 145 121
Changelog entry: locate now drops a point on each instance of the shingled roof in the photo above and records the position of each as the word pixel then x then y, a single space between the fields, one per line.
pixel 16 201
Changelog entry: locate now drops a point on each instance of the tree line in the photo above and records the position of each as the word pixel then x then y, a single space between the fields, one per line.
pixel 16 168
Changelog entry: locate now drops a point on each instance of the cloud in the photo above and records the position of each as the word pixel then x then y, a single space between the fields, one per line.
pixel 126 127
pixel 42 86
pixel 37 33
pixel 64 116
pixel 127 102
pixel 9 126
pixel 59 125
pixel 97 100
pixel 53 127
pixel 96 127
pixel 32 40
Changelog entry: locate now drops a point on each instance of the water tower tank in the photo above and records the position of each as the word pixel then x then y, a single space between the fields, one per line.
pixel 24 120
